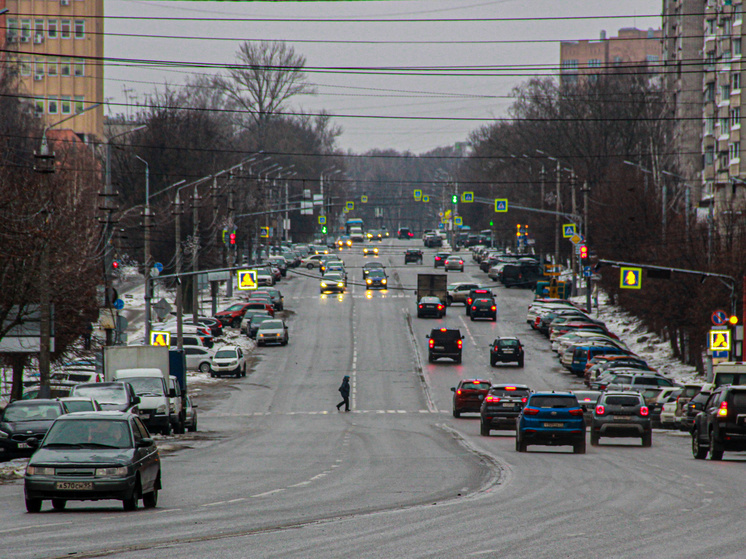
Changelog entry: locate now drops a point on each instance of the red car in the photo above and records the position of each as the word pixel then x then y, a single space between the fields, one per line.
pixel 232 315
pixel 468 396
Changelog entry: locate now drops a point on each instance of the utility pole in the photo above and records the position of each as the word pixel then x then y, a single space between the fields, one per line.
pixel 178 210
pixel 574 260
pixel 146 259
pixel 586 191
pixel 557 223
pixel 195 254
pixel 231 248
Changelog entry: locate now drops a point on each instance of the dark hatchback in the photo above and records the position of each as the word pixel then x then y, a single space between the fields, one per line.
pixel 501 407
pixel 440 259
pixel 483 307
pixel 468 396
pixel 90 456
pixel 432 307
pixel 376 280
pixel 506 349
pixel 23 420
pixel 111 396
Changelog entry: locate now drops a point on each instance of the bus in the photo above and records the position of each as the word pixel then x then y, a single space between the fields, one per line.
pixel 353 223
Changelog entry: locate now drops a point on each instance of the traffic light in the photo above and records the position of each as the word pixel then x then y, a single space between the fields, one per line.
pixel 323 229
pixel 518 230
pixel 115 265
pixel 583 252
pixel 232 238
pixel 454 199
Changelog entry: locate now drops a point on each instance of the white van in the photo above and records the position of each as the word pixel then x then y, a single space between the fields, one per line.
pixel 729 372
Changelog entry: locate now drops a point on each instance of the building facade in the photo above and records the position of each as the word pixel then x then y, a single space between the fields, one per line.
pixel 633 48
pixel 58 53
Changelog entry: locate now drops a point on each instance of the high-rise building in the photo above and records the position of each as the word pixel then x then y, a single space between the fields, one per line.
pixel 632 48
pixel 684 72
pixel 57 49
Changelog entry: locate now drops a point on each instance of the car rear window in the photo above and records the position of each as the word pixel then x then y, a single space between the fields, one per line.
pixel 622 401
pixel 226 354
pixel 738 398
pixel 507 343
pixel 475 385
pixel 445 335
pixel 517 393
pixel 554 402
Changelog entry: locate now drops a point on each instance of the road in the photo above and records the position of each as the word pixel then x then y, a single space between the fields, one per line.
pixel 398 476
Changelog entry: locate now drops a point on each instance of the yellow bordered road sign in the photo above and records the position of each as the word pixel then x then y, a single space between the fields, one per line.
pixel 322 220
pixel 246 279
pixel 630 278
pixel 264 232
pixel 467 196
pixel 364 199
pixel 568 230
pixel 160 338
pixel 458 220
pixel 418 195
pixel 719 340
pixel 425 198
pixel 501 205
pixel 350 205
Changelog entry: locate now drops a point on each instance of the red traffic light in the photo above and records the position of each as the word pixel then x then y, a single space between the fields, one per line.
pixel 115 264
pixel 232 238
pixel 583 252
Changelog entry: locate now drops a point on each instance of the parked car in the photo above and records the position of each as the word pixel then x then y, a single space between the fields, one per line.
pixel 23 420
pixel 501 407
pixel 117 396
pixel 506 349
pixel 621 414
pixel 92 456
pixel 720 426
pixel 468 395
pixel 190 415
pixel 551 418
pixel 692 408
pixel 458 292
pixel 79 403
pixel 254 323
pixel 272 332
pixel 232 315
pixel 229 360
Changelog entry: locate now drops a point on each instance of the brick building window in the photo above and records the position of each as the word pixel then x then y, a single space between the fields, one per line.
pixel 735 117
pixel 80 29
pixel 734 152
pixel 66 106
pixel 52 28
pixel 79 102
pixel 735 81
pixel 25 66
pixel 39 106
pixel 53 66
pixel 737 49
pixel 65 28
pixel 52 106
pixel 78 67
pixel 594 63
pixel 64 66
pixel 569 64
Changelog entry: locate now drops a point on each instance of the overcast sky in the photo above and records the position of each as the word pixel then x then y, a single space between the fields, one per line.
pixel 478 97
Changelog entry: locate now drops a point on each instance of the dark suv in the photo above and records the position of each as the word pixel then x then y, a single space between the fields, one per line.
pixel 445 342
pixel 506 349
pixel 721 425
pixel 468 396
pixel 483 307
pixel 621 414
pixel 477 293
pixel 551 418
pixel 413 255
pixel 501 407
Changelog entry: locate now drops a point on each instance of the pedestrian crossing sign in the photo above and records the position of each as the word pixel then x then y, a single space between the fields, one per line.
pixel 160 338
pixel 568 230
pixel 458 220
pixel 264 232
pixel 501 205
pixel 467 196
pixel 425 198
pixel 364 199
pixel 350 205
pixel 719 340
pixel 246 280
pixel 322 220
pixel 417 195
pixel 630 278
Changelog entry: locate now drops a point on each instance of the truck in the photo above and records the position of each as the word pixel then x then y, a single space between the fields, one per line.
pixel 149 370
pixel 357 235
pixel 729 372
pixel 432 285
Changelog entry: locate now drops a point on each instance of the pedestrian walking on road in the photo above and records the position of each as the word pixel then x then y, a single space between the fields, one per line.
pixel 344 390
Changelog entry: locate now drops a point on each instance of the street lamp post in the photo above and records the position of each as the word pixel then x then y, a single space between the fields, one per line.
pixel 146 243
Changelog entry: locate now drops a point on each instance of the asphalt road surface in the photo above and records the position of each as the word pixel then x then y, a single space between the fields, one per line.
pixel 277 472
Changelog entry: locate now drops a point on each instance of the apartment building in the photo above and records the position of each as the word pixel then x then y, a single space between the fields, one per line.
pixel 632 48
pixel 57 50
pixel 684 75
pixel 723 174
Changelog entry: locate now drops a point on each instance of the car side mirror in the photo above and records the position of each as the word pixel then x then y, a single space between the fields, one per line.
pixel 33 442
pixel 144 443
pixel 453 389
pixel 195 406
pixel 427 336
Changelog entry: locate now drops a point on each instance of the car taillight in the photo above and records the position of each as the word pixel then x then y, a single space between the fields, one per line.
pixel 644 411
pixel 432 342
pixel 723 411
pixel 468 300
pixel 491 399
pixel 458 392
pixel 474 308
pixel 440 307
pixel 600 410
pixel 459 343
pixel 524 399
pixel 420 306
pixel 493 307
pixel 576 411
pixel 530 411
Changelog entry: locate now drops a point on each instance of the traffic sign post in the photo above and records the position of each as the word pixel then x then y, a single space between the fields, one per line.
pixel 458 220
pixel 501 205
pixel 719 318
pixel 264 232
pixel 630 278
pixel 322 220
pixel 246 280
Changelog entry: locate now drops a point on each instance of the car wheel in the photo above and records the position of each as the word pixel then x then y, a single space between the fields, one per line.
pixel 238 373
pixel 579 448
pixel 167 429
pixel 520 362
pixel 430 359
pixel 33 505
pixel 243 373
pixel 698 451
pixel 594 437
pixel 130 504
pixel 472 318
pixel 493 362
pixel 59 504
pixel 647 439
pixel 458 360
pixel 150 500
pixel 309 266
pixel 456 413
pixel 205 368
pixel 180 428
pixel 520 445
pixel 716 449
pixel 484 429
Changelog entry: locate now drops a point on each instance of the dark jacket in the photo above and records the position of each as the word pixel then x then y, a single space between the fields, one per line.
pixel 344 388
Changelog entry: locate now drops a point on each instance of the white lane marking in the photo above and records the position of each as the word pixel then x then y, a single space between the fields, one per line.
pixel 302 483
pixel 239 500
pixel 268 493
pixel 217 504
pixel 33 528
pixel 166 510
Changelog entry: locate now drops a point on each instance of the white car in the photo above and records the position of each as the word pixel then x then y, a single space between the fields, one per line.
pixel 198 358
pixel 229 360
pixel 669 420
pixel 313 261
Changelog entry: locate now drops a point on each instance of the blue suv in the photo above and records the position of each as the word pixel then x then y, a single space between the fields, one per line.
pixel 551 418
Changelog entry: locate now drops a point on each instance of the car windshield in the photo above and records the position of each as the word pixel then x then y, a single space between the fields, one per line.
pixel 89 432
pixel 146 386
pixel 31 412
pixel 226 354
pixel 103 394
pixel 622 401
pixel 377 274
pixel 237 307
pixel 554 402
pixel 79 405
pixel 333 276
pixel 271 325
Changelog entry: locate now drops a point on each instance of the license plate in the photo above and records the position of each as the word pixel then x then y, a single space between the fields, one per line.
pixel 508 405
pixel 23 445
pixel 550 425
pixel 622 418
pixel 507 351
pixel 439 347
pixel 75 485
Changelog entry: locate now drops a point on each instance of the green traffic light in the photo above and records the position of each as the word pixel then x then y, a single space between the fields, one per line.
pixel 454 199
pixel 323 229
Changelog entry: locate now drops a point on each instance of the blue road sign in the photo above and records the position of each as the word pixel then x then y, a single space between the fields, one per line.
pixel 119 304
pixel 719 318
pixel 587 272
pixel 158 266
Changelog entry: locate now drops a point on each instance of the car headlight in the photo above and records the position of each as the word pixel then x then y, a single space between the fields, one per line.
pixel 39 471
pixel 161 409
pixel 261 335
pixel 323 284
pixel 111 472
pixel 383 281
pixel 340 284
pixel 368 281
